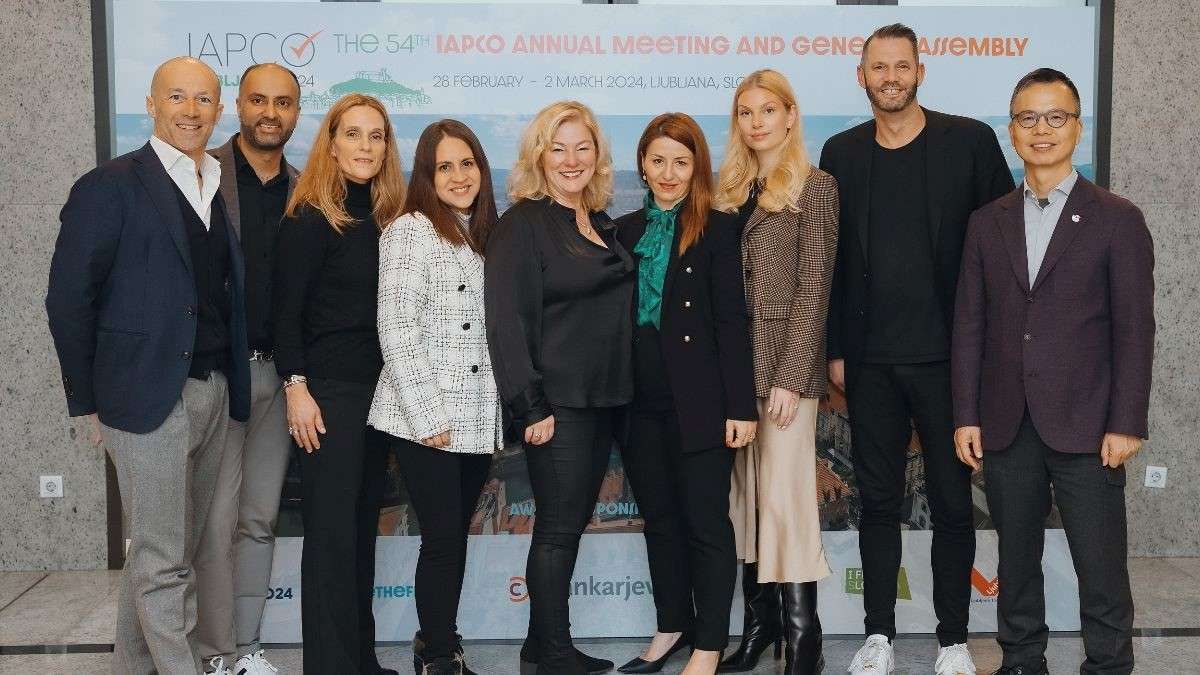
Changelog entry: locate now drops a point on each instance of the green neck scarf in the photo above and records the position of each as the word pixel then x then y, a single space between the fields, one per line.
pixel 654 253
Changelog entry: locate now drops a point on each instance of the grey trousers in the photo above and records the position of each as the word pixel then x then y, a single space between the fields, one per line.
pixel 166 479
pixel 233 564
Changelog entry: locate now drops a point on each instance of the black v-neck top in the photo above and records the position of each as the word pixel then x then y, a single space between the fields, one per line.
pixel 558 308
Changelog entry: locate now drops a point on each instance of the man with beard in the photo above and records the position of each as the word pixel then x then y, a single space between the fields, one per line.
pixel 908 180
pixel 146 309
pixel 234 560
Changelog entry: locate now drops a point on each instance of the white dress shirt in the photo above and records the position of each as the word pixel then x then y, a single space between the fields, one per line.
pixel 182 171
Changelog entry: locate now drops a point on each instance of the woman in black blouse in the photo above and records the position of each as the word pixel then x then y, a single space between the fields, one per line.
pixel 693 392
pixel 327 351
pixel 558 294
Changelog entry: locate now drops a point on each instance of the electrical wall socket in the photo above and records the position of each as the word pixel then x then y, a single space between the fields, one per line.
pixel 51 486
pixel 1156 476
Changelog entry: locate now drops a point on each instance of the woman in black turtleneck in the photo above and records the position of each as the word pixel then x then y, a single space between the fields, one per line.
pixel 327 351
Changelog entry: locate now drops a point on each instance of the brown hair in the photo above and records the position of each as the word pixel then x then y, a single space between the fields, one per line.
pixel 323 187
pixel 895 31
pixel 423 197
pixel 785 183
pixel 684 130
pixel 527 181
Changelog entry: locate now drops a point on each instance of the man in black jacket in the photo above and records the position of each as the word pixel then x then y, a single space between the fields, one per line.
pixel 908 180
pixel 145 306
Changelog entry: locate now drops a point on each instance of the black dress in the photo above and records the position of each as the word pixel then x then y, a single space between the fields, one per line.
pixel 558 308
pixel 325 328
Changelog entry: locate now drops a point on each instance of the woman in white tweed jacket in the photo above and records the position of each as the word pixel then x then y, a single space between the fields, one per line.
pixel 437 394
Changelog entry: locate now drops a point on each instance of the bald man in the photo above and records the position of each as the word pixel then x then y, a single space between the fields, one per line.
pixel 145 304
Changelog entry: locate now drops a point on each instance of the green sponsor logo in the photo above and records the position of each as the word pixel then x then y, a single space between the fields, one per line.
pixel 854 583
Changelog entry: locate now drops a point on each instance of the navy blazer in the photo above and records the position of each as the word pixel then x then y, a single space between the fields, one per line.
pixel 704 329
pixel 964 169
pixel 1076 346
pixel 122 297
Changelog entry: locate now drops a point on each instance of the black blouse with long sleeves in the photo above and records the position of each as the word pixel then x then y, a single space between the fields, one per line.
pixel 558 308
pixel 324 300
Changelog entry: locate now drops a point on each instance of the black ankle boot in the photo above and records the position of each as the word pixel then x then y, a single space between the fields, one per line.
pixel 761 626
pixel 801 629
pixel 418 645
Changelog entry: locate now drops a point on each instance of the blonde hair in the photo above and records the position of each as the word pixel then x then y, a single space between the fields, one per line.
pixel 323 187
pixel 528 181
pixel 785 183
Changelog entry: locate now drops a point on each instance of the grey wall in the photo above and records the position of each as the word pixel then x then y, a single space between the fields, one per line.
pixel 47 141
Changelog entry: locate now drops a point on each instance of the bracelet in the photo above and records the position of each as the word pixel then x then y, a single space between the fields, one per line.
pixel 294 379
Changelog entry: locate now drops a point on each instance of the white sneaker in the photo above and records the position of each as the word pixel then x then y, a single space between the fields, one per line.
pixel 254 664
pixel 874 658
pixel 954 660
pixel 217 666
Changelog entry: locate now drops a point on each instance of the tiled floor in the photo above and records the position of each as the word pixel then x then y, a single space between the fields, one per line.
pixel 79 608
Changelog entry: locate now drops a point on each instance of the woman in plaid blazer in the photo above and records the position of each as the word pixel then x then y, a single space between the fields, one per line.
pixel 788 212
pixel 436 393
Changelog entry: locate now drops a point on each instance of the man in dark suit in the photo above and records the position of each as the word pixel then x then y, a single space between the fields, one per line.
pixel 145 307
pixel 908 181
pixel 233 566
pixel 1053 345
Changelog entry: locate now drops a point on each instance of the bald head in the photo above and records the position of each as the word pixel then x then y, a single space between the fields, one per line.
pixel 185 103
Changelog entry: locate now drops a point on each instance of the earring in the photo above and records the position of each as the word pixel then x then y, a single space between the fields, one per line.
pixel 644 178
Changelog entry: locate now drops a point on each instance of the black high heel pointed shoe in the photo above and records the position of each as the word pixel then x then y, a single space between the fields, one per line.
pixel 640 665
pixel 801 630
pixel 762 623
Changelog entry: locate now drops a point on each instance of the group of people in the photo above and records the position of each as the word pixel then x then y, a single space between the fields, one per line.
pixel 214 312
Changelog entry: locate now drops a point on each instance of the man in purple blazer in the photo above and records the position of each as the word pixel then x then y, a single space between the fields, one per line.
pixel 1052 349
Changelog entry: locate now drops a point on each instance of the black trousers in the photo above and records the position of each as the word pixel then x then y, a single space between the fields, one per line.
pixel 1091 501
pixel 444 487
pixel 565 474
pixel 341 486
pixel 882 399
pixel 684 500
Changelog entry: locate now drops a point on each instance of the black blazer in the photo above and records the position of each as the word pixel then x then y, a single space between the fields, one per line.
pixel 965 169
pixel 122 297
pixel 704 330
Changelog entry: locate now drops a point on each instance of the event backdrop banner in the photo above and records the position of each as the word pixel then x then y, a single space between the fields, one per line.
pixel 493 66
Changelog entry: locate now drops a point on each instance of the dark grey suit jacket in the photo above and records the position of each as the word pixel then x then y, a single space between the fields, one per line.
pixel 1076 346
pixel 229 191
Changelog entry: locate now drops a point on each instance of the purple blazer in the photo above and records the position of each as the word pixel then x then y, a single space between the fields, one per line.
pixel 1076 347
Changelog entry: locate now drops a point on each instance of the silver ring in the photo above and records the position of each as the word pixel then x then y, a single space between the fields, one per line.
pixel 291 430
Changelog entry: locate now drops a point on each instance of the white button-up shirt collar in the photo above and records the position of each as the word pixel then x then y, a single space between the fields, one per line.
pixel 182 170
pixel 1040 221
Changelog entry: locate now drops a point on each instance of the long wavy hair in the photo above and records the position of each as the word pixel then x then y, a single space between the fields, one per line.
pixel 322 186
pixel 528 181
pixel 785 182
pixel 423 197
pixel 683 129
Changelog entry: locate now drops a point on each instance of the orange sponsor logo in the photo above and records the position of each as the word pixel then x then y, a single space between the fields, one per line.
pixel 988 588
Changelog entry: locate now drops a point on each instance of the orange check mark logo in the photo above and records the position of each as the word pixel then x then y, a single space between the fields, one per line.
pixel 988 588
pixel 299 51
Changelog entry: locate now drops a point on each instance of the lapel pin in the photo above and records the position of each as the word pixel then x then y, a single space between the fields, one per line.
pixel 1074 217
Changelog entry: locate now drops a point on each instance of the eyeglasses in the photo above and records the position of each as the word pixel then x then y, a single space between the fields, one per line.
pixel 1028 119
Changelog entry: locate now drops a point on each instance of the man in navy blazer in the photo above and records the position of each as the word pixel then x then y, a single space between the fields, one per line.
pixel 1051 361
pixel 146 310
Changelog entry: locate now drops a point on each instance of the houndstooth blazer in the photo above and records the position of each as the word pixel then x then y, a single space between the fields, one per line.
pixel 437 375
pixel 788 261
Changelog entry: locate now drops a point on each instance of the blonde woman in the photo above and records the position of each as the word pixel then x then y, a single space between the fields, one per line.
pixel 787 210
pixel 327 351
pixel 559 294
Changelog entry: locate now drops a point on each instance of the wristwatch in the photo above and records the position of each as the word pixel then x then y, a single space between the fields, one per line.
pixel 293 379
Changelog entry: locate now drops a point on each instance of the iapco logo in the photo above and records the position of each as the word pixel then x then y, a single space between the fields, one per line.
pixel 988 588
pixel 517 592
pixel 854 583
pixel 295 49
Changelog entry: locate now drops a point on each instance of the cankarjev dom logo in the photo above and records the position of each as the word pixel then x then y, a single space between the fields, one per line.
pixel 591 587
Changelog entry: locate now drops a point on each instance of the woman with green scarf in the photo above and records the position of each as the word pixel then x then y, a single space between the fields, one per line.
pixel 693 392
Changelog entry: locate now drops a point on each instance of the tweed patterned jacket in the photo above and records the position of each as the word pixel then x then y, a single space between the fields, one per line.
pixel 437 375
pixel 788 260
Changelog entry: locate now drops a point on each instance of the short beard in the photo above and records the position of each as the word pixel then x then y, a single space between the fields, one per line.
pixel 897 107
pixel 251 138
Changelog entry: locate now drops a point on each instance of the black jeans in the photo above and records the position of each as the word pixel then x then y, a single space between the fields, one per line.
pixel 1091 501
pixel 884 402
pixel 444 487
pixel 684 500
pixel 341 486
pixel 565 474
